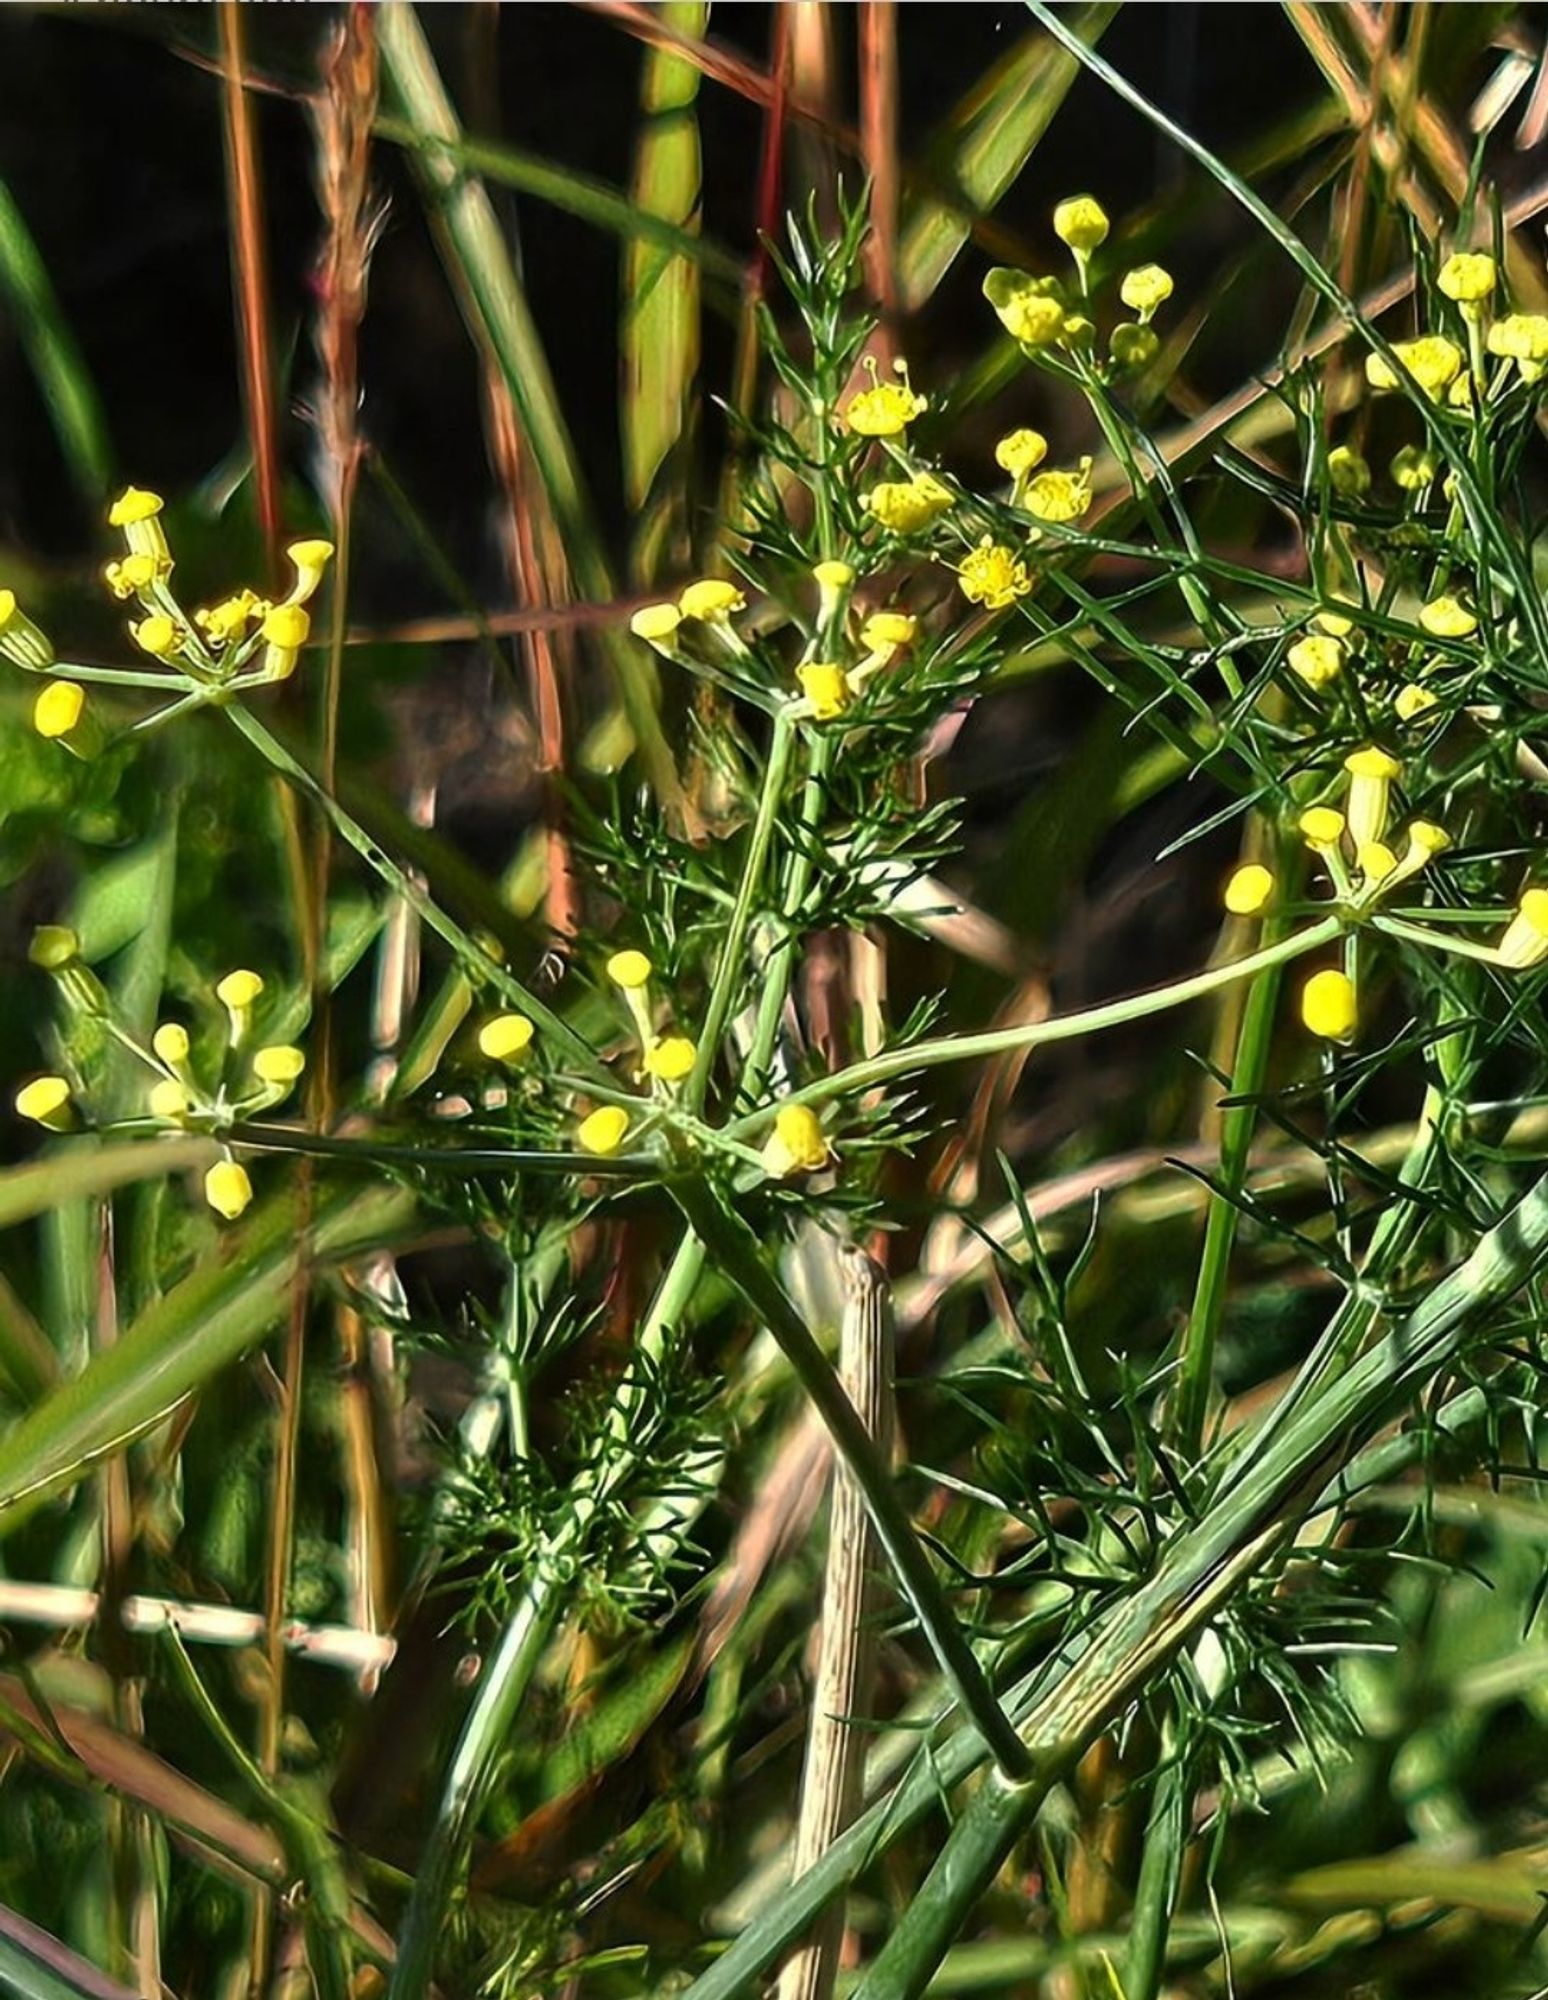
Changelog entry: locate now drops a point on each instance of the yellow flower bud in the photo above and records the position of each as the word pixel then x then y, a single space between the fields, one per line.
pixel 1348 473
pixel 309 560
pixel 1334 623
pixel 1145 289
pixel 138 513
pixel 629 969
pixel 1249 890
pixel 1030 309
pixel 1425 841
pixel 604 1130
pixel 834 575
pixel 904 507
pixel 1321 827
pixel 168 1100
pixel 158 635
pixel 1133 346
pixel 227 1189
pixel 1328 1006
pixel 1376 862
pixel 1082 224
pixel 1413 468
pixel 21 642
pixel 53 947
pixel 286 630
pixel 1021 452
pixel 712 601
pixel 796 1145
pixel 825 687
pixel 46 1101
pixel 657 625
pixel 1448 618
pixel 170 1042
pixel 1433 361
pixel 1522 338
pixel 886 409
pixel 505 1038
pixel 1317 659
pixel 236 993
pixel 1411 701
pixel 887 628
pixel 279 1065
pixel 58 709
pixel 671 1059
pixel 1525 942
pixel 1468 277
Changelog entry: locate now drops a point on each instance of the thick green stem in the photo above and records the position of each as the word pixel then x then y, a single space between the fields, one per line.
pixel 781 961
pixel 737 1253
pixel 731 964
pixel 1155 1898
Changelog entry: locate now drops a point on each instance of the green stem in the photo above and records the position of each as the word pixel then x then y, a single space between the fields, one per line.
pixel 730 965
pixel 864 1076
pixel 781 960
pixel 1155 1896
pixel 737 1253
pixel 471 954
pixel 1196 1368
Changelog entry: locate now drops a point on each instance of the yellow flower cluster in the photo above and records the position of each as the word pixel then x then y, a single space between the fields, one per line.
pixel 1035 312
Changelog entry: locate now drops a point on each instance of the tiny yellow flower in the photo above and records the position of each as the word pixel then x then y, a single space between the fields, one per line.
pixel 22 642
pixel 1077 331
pixel 1145 289
pixel 227 1189
pixel 1082 223
pixel 133 575
pixel 1021 452
pixel 279 1065
pixel 1448 618
pixel 1371 772
pixel 285 631
pixel 1433 361
pixel 629 969
pixel 834 575
pixel 796 1145
pixel 993 576
pixel 158 635
pixel 604 1130
pixel 1030 309
pixel 1060 497
pixel 888 628
pixel 1348 473
pixel 46 1101
pixel 505 1038
pixel 1249 890
pixel 1425 841
pixel 1328 1006
pixel 657 625
pixel 1411 701
pixel 1321 827
pixel 53 947
pixel 1334 623
pixel 1522 338
pixel 170 1042
pixel 231 618
pixel 711 601
pixel 309 560
pixel 168 1100
pixel 1376 862
pixel 1468 277
pixel 886 409
pixel 236 993
pixel 826 687
pixel 671 1059
pixel 58 708
pixel 1318 659
pixel 138 513
pixel 1525 942
pixel 1414 466
pixel 906 506
pixel 1133 346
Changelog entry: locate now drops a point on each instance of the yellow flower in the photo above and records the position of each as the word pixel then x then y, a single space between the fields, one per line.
pixel 1030 309
pixel 134 575
pixel 1348 472
pixel 1522 338
pixel 168 1100
pixel 230 619
pixel 711 601
pixel 905 506
pixel 170 1042
pixel 227 1189
pixel 1145 289
pixel 1322 827
pixel 886 409
pixel 285 631
pixel 1371 772
pixel 993 576
pixel 1334 623
pixel 887 628
pixel 1411 701
pixel 1433 361
pixel 1060 497
pixel 279 1065
pixel 1133 346
pixel 46 1101
pixel 1082 223
pixel 58 708
pixel 1328 1005
pixel 1448 618
pixel 138 513
pixel 825 687
pixel 158 635
pixel 796 1145
pixel 671 1059
pixel 1318 659
pixel 505 1038
pixel 1249 890
pixel 1376 862
pixel 1021 452
pixel 236 993
pixel 657 625
pixel 1425 841
pixel 53 947
pixel 834 580
pixel 22 642
pixel 1525 942
pixel 1468 277
pixel 309 560
pixel 1415 466
pixel 604 1130
pixel 629 969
